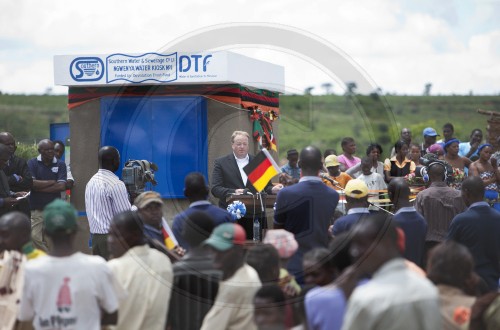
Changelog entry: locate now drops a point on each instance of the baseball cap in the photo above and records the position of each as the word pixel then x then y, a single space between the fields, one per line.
pixel 225 236
pixel 429 131
pixel 146 198
pixel 292 152
pixel 331 161
pixel 59 216
pixel 284 241
pixel 356 188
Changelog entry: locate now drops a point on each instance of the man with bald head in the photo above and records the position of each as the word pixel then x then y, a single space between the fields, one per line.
pixel 306 209
pixel 395 297
pixel 15 235
pixel 438 204
pixel 17 172
pixel 105 197
pixel 409 220
pixel 49 180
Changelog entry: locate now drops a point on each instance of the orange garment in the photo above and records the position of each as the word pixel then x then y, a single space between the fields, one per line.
pixel 342 180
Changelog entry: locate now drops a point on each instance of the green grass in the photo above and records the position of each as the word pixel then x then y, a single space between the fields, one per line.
pixel 319 120
pixel 324 120
pixel 28 116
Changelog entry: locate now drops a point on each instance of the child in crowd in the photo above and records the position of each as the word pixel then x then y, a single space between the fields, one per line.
pixel 286 245
pixel 374 181
pixel 318 270
pixel 414 154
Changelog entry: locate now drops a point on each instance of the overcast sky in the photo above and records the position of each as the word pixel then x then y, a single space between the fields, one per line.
pixel 400 44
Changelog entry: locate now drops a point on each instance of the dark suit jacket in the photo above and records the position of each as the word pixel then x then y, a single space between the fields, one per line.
pixel 478 229
pixel 4 192
pixel 226 178
pixel 20 167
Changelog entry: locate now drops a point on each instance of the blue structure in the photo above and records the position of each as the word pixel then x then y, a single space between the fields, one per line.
pixel 168 131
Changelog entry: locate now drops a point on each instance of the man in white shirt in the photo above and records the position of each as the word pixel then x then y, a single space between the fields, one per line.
pixel 105 196
pixel 233 306
pixel 67 289
pixel 145 273
pixel 395 297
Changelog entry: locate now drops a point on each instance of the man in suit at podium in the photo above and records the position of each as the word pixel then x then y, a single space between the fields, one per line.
pixel 229 178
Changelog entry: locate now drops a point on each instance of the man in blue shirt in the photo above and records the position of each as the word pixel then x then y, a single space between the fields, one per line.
pixel 306 209
pixel 291 168
pixel 356 196
pixel 469 149
pixel 49 180
pixel 196 190
pixel 409 220
pixel 478 228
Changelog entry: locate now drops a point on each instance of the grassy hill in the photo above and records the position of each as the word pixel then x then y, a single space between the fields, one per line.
pixel 324 120
pixel 305 119
pixel 28 116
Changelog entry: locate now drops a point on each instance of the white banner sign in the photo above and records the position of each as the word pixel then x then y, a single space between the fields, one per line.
pixel 156 68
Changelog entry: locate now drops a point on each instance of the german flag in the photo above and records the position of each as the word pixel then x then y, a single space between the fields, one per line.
pixel 261 170
pixel 168 235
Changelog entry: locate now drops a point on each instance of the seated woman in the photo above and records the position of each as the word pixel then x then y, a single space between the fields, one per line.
pixel 374 151
pixel 460 164
pixel 487 170
pixel 414 153
pixel 398 165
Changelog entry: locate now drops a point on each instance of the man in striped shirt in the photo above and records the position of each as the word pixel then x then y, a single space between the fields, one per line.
pixel 105 196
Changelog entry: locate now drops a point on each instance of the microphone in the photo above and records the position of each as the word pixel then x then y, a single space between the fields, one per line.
pixel 332 181
pixel 325 176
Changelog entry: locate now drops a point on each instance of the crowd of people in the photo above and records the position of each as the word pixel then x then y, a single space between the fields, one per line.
pixel 350 245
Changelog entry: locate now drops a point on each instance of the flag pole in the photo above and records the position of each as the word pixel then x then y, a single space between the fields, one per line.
pixel 271 159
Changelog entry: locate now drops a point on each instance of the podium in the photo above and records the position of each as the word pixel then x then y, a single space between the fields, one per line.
pixel 254 210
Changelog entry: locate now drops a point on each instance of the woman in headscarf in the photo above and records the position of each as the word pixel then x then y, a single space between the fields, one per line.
pixel 487 170
pixel 460 164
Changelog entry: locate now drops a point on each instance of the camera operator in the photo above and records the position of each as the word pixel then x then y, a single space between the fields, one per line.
pixel 438 204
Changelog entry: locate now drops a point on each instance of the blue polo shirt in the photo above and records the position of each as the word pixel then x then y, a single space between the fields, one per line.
pixel 56 171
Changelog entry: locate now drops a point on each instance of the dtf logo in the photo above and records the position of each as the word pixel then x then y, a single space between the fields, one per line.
pixel 186 61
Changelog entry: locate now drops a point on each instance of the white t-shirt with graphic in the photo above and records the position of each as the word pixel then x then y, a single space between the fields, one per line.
pixel 373 181
pixel 67 292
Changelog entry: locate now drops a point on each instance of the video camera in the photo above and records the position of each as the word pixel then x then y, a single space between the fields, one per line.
pixel 136 173
pixel 431 160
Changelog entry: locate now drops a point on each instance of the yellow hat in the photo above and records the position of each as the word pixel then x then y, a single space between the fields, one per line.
pixel 331 161
pixel 356 189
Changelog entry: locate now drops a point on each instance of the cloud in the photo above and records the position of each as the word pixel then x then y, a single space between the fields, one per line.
pixel 400 44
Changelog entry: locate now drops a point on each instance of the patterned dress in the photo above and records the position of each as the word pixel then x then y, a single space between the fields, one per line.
pixel 491 192
pixel 458 177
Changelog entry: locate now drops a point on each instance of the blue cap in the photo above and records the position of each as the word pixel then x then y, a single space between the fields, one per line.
pixel 429 131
